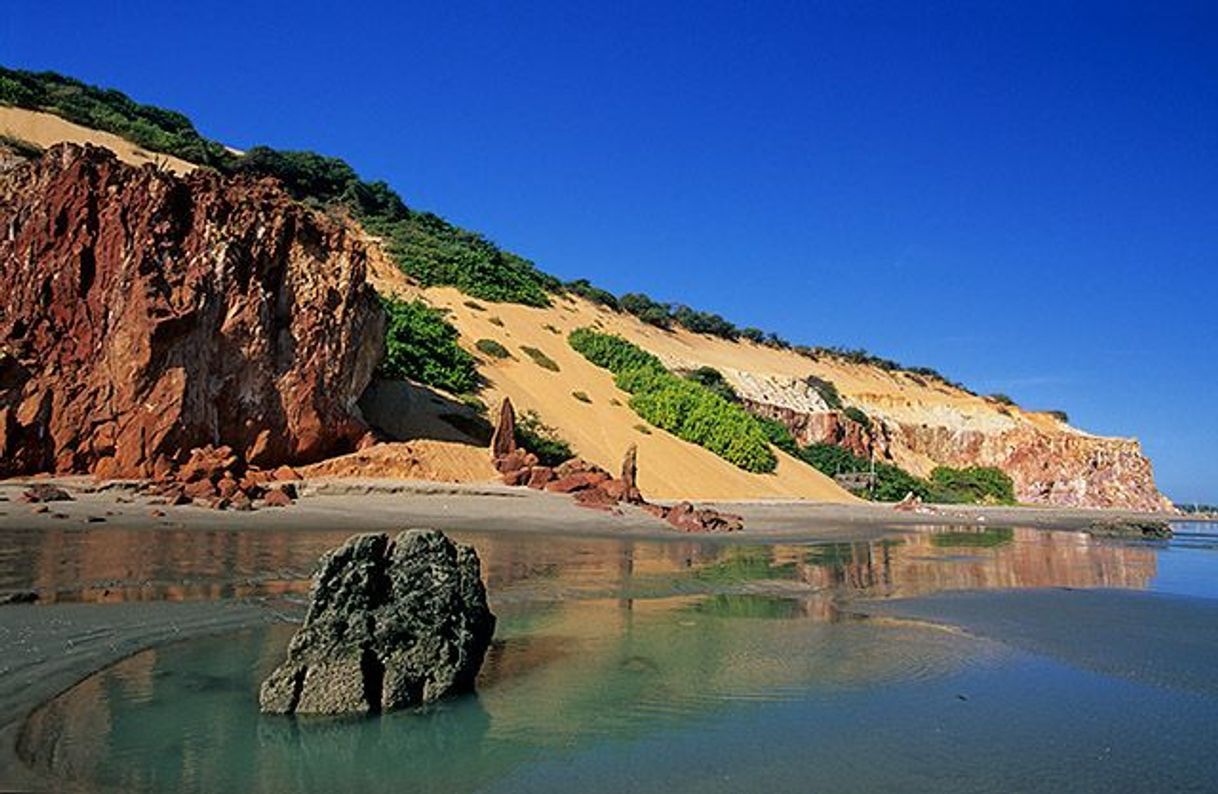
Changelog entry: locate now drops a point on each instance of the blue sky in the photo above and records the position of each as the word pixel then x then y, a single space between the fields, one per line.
pixel 1021 195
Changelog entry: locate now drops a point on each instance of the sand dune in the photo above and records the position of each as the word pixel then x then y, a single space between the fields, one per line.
pixel 46 130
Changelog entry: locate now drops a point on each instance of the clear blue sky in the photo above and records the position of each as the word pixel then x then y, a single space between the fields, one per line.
pixel 1021 195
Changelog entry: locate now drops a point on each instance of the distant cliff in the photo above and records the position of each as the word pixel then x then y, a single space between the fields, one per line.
pixel 919 424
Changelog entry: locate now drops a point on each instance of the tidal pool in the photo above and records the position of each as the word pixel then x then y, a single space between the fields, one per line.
pixel 648 665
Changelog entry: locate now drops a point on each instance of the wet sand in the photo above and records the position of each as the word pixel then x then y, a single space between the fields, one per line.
pixel 49 648
pixel 370 505
pixel 1148 638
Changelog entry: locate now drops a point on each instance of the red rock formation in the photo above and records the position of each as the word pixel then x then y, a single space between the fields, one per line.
pixel 503 441
pixel 826 427
pixel 145 315
pixel 593 487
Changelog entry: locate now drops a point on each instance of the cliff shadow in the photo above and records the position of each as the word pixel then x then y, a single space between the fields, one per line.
pixel 400 410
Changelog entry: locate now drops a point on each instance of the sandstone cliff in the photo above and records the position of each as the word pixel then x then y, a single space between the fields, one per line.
pixel 143 314
pixel 919 424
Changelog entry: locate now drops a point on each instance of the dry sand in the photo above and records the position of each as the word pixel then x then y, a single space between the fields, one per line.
pixel 362 505
pixel 46 130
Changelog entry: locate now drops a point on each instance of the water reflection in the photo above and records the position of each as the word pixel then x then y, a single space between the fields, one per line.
pixel 108 565
pixel 561 677
pixel 601 644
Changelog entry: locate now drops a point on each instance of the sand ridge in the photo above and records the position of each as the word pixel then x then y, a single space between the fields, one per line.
pixel 46 129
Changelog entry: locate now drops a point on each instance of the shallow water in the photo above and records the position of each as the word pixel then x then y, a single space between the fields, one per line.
pixel 629 665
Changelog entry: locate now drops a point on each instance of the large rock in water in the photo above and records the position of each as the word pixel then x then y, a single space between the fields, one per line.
pixel 144 314
pixel 392 624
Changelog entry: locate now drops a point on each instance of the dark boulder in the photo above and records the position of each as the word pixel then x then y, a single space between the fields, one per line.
pixel 392 624
pixel 1129 528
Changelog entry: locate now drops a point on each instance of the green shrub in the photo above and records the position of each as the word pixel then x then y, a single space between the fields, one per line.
pixel 704 323
pixel 541 439
pixel 984 484
pixel 713 379
pixel 687 409
pixel 753 334
pixel 422 346
pixel 647 310
pixel 779 435
pixel 492 348
pixel 826 390
pixel 1060 416
pixel 540 358
pixel 612 352
pixel 583 288
pixel 858 415
pixel 582 396
pixel 1001 398
pixel 892 483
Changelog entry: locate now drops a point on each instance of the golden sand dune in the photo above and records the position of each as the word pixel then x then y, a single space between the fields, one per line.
pixel 599 424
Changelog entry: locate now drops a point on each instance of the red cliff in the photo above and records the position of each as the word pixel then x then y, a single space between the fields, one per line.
pixel 144 314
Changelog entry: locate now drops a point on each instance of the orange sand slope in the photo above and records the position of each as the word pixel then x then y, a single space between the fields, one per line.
pixel 422 459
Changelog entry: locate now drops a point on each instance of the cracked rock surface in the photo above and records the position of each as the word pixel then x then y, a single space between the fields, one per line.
pixel 392 624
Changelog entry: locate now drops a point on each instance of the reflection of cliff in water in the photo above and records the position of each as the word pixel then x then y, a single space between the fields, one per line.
pixel 129 565
pixel 561 677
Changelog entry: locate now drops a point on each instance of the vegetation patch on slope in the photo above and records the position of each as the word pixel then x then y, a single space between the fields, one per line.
pixel 685 408
pixel 541 439
pixel 420 344
pixel 492 348
pixel 947 485
pixel 985 484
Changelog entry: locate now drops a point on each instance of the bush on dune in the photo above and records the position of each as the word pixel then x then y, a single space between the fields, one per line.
pixel 421 345
pixel 973 484
pixel 687 409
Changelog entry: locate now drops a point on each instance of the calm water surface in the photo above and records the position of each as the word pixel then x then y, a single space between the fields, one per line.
pixel 626 665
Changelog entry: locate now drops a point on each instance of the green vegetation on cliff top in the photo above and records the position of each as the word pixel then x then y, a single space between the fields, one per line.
pixel 424 245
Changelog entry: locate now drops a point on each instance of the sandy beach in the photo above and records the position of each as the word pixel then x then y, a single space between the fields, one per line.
pixel 370 505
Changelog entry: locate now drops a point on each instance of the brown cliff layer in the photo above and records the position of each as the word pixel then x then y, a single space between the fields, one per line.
pixel 144 314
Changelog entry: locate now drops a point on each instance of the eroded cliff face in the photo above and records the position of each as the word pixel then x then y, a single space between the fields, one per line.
pixel 143 314
pixel 1065 468
pixel 918 424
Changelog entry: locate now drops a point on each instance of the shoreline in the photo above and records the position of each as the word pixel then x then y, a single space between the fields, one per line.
pixel 364 505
